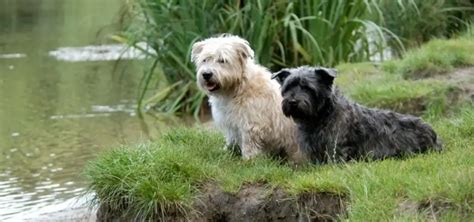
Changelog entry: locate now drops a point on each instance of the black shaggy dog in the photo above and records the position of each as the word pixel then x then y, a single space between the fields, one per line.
pixel 333 128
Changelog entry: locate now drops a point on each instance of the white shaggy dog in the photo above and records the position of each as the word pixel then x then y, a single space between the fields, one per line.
pixel 245 102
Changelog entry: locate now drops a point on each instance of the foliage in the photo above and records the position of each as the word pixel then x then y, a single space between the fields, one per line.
pixel 435 57
pixel 387 91
pixel 417 21
pixel 166 175
pixel 283 33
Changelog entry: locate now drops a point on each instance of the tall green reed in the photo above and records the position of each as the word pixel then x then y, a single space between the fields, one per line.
pixel 283 33
pixel 417 21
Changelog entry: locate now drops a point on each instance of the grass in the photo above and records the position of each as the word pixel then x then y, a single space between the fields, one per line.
pixel 409 85
pixel 375 88
pixel 166 175
pixel 437 56
pixel 282 33
pixel 417 21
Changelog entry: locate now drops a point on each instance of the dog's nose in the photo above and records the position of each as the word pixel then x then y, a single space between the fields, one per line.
pixel 292 102
pixel 207 75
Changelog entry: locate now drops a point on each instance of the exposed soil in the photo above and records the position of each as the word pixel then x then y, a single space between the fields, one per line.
pixel 413 106
pixel 433 209
pixel 259 202
pixel 253 202
pixel 462 79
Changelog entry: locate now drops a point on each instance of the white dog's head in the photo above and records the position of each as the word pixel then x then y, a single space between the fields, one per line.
pixel 220 62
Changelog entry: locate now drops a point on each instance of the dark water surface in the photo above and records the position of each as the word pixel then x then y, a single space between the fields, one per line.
pixel 57 113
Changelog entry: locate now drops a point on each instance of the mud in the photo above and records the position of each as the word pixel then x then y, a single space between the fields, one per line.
pixel 462 79
pixel 253 202
pixel 433 209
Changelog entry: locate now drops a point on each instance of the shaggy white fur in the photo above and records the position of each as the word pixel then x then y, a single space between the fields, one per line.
pixel 245 102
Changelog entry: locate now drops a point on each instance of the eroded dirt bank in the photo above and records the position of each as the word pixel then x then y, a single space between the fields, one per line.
pixel 253 202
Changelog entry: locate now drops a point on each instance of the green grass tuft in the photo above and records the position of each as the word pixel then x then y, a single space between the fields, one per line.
pixel 156 176
pixel 436 57
pixel 368 85
pixel 417 21
pixel 282 33
pixel 168 173
pixel 414 84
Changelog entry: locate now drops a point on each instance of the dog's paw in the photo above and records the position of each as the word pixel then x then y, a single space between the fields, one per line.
pixel 225 147
pixel 232 148
pixel 248 154
pixel 298 159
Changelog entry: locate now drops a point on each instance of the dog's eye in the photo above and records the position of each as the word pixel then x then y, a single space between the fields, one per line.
pixel 222 61
pixel 204 60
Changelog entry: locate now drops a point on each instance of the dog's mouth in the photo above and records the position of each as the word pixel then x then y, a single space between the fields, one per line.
pixel 212 86
pixel 293 110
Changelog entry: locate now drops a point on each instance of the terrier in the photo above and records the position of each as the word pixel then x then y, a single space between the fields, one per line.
pixel 245 102
pixel 332 128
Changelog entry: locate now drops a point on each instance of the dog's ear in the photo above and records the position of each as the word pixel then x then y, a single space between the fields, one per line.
pixel 326 75
pixel 280 76
pixel 244 50
pixel 196 50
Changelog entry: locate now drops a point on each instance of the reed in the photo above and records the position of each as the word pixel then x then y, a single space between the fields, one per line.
pixel 283 33
pixel 417 21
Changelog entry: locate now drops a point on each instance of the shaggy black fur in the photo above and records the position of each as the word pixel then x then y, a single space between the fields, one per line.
pixel 332 128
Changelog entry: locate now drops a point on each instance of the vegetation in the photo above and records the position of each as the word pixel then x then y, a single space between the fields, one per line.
pixel 375 88
pixel 436 57
pixel 168 173
pixel 417 21
pixel 392 85
pixel 283 33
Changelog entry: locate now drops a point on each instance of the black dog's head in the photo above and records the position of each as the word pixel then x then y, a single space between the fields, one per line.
pixel 306 90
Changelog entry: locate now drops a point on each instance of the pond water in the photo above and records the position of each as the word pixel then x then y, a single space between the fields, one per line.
pixel 63 98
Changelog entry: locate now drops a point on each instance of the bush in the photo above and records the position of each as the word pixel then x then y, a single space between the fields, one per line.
pixel 282 33
pixel 149 181
pixel 417 21
pixel 427 60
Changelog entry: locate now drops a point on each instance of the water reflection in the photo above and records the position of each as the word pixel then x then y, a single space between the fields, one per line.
pixel 54 115
pixel 12 56
pixel 99 53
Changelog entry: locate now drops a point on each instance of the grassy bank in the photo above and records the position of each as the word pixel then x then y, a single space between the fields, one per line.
pixel 416 84
pixel 167 176
pixel 436 57
pixel 417 21
pixel 283 33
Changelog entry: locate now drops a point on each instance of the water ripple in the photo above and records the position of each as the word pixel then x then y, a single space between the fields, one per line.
pixel 100 53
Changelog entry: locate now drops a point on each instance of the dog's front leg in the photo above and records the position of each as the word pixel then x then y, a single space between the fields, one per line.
pixel 234 148
pixel 250 146
pixel 232 142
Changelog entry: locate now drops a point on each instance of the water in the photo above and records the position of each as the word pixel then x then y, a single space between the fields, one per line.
pixel 56 113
